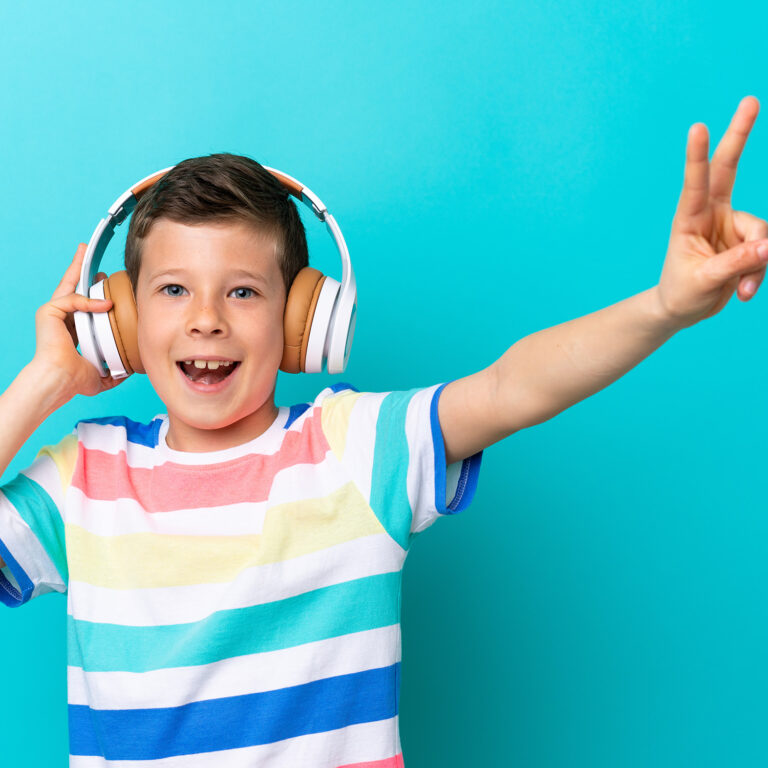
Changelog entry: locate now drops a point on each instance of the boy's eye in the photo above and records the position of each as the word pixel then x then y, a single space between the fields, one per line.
pixel 239 292
pixel 172 291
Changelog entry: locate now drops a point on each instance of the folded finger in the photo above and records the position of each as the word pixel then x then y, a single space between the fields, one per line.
pixel 749 284
pixel 749 228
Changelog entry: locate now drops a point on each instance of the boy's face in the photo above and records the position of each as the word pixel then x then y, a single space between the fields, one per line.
pixel 211 291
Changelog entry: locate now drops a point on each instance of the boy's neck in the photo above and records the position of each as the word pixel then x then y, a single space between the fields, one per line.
pixel 190 439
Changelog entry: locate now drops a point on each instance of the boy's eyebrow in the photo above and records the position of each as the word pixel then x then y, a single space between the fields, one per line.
pixel 233 272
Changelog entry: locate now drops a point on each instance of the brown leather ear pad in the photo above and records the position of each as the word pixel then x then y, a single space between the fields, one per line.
pixel 297 319
pixel 123 319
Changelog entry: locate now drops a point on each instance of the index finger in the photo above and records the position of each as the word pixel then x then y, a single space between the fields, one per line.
pixel 72 275
pixel 725 160
pixel 694 198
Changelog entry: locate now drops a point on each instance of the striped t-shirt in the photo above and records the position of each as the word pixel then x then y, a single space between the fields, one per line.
pixel 239 607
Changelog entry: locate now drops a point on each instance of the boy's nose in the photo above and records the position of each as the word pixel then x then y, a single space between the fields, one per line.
pixel 206 318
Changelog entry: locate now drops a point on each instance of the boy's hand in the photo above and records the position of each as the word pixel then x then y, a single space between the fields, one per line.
pixel 713 250
pixel 57 339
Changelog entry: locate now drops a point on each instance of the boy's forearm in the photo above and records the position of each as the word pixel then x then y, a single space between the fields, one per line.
pixel 552 369
pixel 31 397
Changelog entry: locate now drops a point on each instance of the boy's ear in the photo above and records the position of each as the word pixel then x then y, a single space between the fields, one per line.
pixel 123 319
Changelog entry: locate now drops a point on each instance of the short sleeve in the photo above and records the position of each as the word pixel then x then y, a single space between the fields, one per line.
pixel 32 541
pixel 392 445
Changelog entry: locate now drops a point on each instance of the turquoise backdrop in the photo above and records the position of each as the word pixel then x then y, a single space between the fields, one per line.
pixel 496 168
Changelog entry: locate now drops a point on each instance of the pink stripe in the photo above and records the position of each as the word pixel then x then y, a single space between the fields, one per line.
pixel 390 762
pixel 169 486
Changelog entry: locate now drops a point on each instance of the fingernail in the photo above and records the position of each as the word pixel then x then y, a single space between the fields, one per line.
pixel 750 286
pixel 762 251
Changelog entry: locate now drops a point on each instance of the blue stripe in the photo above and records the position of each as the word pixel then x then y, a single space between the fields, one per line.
pixel 340 386
pixel 357 605
pixel 236 721
pixel 295 412
pixel 470 467
pixel 136 432
pixel 467 485
pixel 8 593
pixel 391 458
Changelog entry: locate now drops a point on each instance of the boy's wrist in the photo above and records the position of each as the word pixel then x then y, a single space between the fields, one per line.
pixel 50 388
pixel 667 322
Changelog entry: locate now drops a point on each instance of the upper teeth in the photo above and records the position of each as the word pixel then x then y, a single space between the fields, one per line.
pixel 212 364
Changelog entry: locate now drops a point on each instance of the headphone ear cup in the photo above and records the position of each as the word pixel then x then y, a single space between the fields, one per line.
pixel 123 319
pixel 297 319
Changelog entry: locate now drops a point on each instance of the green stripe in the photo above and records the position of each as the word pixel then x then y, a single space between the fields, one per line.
pixel 39 512
pixel 389 488
pixel 353 606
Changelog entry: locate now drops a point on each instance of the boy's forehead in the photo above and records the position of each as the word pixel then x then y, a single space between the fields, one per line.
pixel 234 247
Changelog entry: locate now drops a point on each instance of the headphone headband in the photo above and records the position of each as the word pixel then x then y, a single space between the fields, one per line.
pixel 337 343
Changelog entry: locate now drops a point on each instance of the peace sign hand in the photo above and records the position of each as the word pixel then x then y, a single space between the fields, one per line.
pixel 713 250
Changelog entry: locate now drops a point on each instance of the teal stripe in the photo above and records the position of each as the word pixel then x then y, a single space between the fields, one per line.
pixel 39 512
pixel 352 606
pixel 389 489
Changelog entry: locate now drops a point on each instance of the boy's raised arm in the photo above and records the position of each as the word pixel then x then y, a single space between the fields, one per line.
pixel 56 373
pixel 713 251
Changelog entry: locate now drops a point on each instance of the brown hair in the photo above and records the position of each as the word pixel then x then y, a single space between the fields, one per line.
pixel 221 187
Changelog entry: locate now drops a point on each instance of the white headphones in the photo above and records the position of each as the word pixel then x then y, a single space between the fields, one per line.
pixel 320 312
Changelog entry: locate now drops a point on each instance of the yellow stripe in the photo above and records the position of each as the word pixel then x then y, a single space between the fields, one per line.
pixel 146 560
pixel 335 420
pixel 64 455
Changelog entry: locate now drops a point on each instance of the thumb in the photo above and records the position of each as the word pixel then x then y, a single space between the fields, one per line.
pixel 736 261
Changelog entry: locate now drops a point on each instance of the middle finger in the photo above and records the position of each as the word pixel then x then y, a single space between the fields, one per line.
pixel 726 157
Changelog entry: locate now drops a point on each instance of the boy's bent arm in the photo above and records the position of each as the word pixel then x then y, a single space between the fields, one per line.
pixel 549 371
pixel 56 373
pixel 32 396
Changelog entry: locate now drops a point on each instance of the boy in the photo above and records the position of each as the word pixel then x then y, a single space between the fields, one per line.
pixel 233 568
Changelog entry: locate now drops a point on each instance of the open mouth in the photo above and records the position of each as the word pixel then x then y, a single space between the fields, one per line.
pixel 207 371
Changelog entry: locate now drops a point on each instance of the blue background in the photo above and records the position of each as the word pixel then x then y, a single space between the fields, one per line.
pixel 496 169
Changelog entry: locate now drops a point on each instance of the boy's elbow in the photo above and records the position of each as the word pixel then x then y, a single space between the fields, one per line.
pixel 518 407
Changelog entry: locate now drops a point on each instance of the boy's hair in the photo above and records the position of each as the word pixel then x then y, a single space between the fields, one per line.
pixel 221 187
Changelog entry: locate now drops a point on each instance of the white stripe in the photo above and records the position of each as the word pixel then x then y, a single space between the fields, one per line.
pixel 358 558
pixel 361 439
pixel 45 473
pixel 125 515
pixel 361 743
pixel 113 438
pixel 237 676
pixel 421 462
